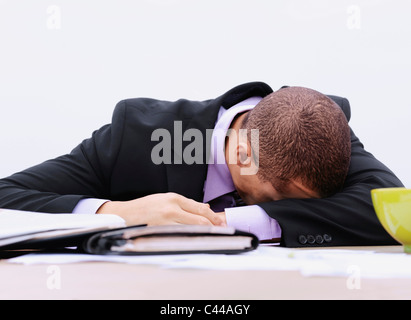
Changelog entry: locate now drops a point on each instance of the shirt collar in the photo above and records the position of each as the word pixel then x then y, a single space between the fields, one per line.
pixel 219 181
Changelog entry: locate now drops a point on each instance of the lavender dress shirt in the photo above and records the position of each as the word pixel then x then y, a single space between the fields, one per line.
pixel 219 182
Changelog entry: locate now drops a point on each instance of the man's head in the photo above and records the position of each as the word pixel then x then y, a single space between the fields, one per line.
pixel 304 147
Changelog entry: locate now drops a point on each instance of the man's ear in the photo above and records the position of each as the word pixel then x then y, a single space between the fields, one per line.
pixel 248 166
pixel 243 155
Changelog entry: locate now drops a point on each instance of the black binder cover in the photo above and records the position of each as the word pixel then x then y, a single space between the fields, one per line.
pixel 170 239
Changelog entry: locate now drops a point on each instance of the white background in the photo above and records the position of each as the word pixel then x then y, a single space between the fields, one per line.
pixel 65 64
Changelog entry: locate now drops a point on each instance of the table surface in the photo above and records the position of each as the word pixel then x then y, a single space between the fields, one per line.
pixel 102 280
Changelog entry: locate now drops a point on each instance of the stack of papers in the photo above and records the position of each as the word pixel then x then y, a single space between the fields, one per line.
pixel 309 262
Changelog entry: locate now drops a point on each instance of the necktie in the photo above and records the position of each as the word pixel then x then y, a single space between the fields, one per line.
pixel 228 200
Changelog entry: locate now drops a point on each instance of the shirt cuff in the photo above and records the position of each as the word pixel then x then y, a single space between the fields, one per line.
pixel 255 220
pixel 88 206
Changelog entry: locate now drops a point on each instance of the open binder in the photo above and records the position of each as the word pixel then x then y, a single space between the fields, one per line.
pixel 108 234
pixel 170 239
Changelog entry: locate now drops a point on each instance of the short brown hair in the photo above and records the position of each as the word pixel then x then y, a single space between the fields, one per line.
pixel 303 135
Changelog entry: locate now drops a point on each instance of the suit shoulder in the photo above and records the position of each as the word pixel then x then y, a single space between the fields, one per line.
pixel 344 105
pixel 151 107
pixel 141 104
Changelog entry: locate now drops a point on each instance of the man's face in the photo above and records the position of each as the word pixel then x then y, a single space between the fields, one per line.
pixel 243 169
pixel 252 190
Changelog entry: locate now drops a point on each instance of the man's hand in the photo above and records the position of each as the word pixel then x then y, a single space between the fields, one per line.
pixel 161 209
pixel 223 218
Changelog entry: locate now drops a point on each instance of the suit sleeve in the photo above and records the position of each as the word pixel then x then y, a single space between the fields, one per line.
pixel 344 219
pixel 56 186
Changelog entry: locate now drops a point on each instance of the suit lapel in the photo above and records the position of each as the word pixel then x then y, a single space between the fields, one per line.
pixel 188 179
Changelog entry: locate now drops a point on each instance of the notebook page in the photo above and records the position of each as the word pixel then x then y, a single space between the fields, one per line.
pixel 15 222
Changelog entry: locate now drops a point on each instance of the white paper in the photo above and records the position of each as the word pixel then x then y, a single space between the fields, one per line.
pixel 323 262
pixel 15 223
pixel 162 260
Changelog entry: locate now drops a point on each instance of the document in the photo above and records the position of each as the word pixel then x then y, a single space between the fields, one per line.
pixel 108 235
pixel 20 228
pixel 332 262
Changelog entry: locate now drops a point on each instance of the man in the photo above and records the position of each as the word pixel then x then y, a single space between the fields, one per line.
pixel 308 199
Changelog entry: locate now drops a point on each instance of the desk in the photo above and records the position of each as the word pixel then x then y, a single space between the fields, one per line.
pixel 123 281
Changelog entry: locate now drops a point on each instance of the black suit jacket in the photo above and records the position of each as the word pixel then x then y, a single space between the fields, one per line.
pixel 115 163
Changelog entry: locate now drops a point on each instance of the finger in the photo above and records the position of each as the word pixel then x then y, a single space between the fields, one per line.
pixel 184 217
pixel 201 209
